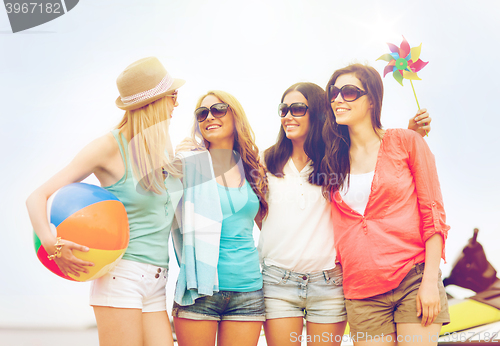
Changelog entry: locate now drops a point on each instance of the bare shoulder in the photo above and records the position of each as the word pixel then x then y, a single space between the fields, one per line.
pixel 102 149
pixel 106 144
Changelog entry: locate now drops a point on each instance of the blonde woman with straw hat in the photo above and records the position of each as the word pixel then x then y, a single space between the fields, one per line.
pixel 134 163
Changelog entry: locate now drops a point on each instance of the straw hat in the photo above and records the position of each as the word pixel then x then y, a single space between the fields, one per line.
pixel 143 82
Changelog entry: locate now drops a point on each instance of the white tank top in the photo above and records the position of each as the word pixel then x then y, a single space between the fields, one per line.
pixel 356 196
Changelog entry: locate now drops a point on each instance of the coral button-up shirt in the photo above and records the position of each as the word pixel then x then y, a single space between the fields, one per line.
pixel 405 208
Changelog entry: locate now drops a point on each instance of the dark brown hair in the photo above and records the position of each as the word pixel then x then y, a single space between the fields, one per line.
pixel 336 164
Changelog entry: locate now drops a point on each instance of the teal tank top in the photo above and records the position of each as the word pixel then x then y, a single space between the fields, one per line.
pixel 150 215
pixel 238 267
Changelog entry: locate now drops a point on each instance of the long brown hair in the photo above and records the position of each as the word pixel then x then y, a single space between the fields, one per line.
pixel 336 163
pixel 244 144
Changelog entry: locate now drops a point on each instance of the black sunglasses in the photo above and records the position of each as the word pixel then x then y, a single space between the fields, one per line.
pixel 298 109
pixel 218 110
pixel 349 93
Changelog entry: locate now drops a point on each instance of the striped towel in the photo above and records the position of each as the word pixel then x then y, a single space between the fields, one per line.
pixel 196 230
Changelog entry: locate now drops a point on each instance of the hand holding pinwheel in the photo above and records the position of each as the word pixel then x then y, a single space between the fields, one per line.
pixel 404 63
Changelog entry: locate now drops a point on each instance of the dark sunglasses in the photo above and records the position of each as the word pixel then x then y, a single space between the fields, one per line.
pixel 218 110
pixel 298 109
pixel 349 93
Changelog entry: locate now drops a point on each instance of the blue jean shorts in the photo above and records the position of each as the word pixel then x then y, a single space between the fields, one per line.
pixel 225 306
pixel 318 296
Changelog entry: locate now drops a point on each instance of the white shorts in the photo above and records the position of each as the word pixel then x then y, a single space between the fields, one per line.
pixel 131 285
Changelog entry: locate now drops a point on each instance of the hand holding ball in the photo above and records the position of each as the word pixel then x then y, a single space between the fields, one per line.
pixel 90 216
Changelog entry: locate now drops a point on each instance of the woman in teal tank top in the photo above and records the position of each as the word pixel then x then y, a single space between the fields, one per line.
pixel 130 301
pixel 234 310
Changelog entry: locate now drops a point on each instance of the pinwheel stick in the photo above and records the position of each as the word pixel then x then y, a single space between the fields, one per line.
pixel 414 93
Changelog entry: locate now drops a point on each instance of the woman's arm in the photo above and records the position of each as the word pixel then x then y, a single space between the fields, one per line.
pixel 430 201
pixel 85 163
pixel 421 122
pixel 428 302
pixel 435 230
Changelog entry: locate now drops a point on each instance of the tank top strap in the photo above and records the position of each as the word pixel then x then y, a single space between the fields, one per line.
pixel 120 139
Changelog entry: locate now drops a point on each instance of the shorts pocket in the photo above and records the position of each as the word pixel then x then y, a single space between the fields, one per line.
pixel 271 278
pixel 336 276
pixel 338 280
pixel 125 275
pixel 353 311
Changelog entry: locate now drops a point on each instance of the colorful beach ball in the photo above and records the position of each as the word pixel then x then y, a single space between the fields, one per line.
pixel 91 216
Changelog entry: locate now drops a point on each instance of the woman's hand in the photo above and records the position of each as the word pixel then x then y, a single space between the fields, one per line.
pixel 187 144
pixel 68 262
pixel 421 122
pixel 428 302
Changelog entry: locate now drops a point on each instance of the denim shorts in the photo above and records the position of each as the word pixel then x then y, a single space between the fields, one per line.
pixel 379 315
pixel 131 285
pixel 318 296
pixel 225 306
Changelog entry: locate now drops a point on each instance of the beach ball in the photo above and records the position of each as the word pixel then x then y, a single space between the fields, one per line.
pixel 91 216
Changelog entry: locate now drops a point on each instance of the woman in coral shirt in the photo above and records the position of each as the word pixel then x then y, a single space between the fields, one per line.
pixel 388 214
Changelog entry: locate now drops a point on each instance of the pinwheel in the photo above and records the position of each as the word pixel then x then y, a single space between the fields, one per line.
pixel 404 63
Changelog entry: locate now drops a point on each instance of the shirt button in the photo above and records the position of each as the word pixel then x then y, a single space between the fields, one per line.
pixel 159 270
pixel 157 276
pixel 304 277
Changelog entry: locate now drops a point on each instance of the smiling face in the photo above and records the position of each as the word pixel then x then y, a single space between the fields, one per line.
pixel 295 128
pixel 355 112
pixel 217 130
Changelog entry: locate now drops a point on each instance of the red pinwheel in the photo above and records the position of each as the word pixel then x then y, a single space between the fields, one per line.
pixel 404 63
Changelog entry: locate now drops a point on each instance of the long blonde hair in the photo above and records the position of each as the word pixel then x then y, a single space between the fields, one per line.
pixel 244 144
pixel 150 148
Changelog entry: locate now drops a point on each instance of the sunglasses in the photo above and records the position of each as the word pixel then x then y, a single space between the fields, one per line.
pixel 349 93
pixel 173 95
pixel 297 109
pixel 218 110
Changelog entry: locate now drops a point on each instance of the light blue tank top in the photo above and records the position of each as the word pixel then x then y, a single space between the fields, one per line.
pixel 238 267
pixel 150 215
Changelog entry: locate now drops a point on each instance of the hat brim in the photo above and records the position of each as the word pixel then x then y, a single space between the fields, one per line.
pixel 175 85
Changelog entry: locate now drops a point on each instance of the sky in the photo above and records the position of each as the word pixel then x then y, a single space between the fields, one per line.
pixel 58 86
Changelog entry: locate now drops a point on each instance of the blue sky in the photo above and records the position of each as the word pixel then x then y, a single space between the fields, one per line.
pixel 57 86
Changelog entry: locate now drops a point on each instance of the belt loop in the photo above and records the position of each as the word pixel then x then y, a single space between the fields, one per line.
pixel 286 276
pixel 326 275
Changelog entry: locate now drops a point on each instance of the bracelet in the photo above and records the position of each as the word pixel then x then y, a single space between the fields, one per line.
pixel 57 252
